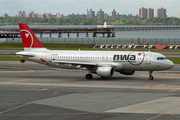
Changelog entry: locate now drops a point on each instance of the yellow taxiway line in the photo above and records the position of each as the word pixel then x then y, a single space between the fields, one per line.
pixel 18 80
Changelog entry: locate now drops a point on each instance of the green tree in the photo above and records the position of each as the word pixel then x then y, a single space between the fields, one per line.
pixel 92 21
pixel 52 20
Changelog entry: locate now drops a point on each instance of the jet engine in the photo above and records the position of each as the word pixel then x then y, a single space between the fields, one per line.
pixel 105 71
pixel 127 72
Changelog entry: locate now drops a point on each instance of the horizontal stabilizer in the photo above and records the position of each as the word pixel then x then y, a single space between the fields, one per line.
pixel 25 55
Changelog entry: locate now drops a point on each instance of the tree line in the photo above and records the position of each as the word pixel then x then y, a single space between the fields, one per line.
pixel 91 21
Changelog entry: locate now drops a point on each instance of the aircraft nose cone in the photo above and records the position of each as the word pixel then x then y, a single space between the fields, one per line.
pixel 170 64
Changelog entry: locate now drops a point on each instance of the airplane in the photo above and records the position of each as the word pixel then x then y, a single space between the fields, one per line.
pixel 102 63
pixel 105 26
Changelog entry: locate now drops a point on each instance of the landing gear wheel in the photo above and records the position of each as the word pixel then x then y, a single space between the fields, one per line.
pixel 22 61
pixel 150 75
pixel 151 78
pixel 89 76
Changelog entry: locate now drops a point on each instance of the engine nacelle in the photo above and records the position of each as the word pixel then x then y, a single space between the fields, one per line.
pixel 127 72
pixel 105 71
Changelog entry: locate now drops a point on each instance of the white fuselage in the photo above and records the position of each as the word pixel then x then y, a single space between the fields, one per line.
pixel 120 60
pixel 102 63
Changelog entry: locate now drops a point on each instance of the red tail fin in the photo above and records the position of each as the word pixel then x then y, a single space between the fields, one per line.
pixel 28 37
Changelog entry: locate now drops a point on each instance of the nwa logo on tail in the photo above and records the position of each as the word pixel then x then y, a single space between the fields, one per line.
pixel 27 36
pixel 135 58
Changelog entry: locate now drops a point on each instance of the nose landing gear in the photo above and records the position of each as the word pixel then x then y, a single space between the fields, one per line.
pixel 150 75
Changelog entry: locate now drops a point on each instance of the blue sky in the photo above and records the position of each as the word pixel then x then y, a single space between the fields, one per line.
pixel 11 7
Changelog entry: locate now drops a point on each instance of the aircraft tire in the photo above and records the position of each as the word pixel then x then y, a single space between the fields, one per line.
pixel 89 76
pixel 151 78
pixel 22 61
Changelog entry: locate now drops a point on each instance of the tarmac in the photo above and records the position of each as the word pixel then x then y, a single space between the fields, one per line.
pixel 34 91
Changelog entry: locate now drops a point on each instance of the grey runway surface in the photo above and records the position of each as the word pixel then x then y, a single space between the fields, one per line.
pixel 33 91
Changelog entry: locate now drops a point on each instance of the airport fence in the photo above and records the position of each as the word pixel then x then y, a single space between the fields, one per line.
pixel 102 40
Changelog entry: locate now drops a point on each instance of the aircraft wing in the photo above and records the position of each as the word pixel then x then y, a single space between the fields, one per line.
pixel 76 63
pixel 89 66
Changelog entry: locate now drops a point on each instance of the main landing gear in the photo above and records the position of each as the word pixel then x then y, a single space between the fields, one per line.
pixel 150 75
pixel 22 61
pixel 89 76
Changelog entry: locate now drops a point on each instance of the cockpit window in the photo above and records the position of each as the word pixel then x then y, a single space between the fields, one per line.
pixel 161 58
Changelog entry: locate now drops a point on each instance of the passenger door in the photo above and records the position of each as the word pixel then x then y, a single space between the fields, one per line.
pixel 148 59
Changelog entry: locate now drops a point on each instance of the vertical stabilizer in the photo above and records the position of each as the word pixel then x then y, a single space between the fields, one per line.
pixel 105 25
pixel 30 41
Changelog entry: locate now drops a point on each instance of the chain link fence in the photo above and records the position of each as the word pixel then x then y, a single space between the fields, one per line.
pixel 103 40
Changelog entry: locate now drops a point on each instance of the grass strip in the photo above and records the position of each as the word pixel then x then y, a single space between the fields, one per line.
pixel 70 46
pixel 9 58
pixel 175 60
